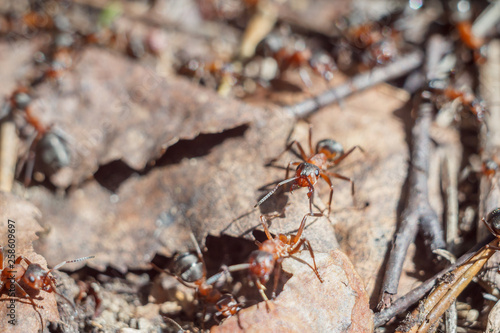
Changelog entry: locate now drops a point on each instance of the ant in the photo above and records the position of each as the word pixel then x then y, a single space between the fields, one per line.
pixel 466 98
pixel 490 166
pixel 271 253
pixel 328 153
pixel 33 276
pixel 54 151
pixel 492 222
pixel 190 270
pixel 321 63
pixel 472 42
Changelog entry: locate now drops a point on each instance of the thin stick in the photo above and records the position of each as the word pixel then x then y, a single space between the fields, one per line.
pixel 404 302
pixel 418 210
pixel 360 82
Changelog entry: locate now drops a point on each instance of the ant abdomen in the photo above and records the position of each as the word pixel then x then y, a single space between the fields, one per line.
pixel 493 219
pixel 188 267
pixel 53 152
pixel 330 148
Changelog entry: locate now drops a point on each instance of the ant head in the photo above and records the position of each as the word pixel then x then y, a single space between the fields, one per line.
pixel 188 267
pixel 261 264
pixel 493 219
pixel 308 170
pixel 226 303
pixel 36 277
pixel 330 148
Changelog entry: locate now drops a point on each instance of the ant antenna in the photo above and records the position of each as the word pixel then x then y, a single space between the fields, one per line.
pixel 174 323
pixel 274 190
pixel 70 261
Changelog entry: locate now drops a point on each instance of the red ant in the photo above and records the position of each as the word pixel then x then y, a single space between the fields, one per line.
pixel 319 62
pixel 490 166
pixel 377 44
pixel 328 153
pixel 492 222
pixel 271 253
pixel 54 150
pixel 190 270
pixel 472 42
pixel 33 276
pixel 467 99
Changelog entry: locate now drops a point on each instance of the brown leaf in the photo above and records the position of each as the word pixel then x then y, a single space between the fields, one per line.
pixel 25 217
pixel 111 108
pixel 339 304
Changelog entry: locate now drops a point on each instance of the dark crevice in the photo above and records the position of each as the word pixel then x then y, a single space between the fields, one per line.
pixel 113 174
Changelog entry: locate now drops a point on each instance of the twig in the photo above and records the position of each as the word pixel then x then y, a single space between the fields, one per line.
pixel 404 302
pixel 424 318
pixel 8 154
pixel 418 210
pixel 360 82
pixel 490 146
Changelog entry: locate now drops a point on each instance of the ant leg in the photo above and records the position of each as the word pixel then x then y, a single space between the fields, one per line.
pixel 341 158
pixel 296 248
pixel 311 151
pixel 488 246
pixel 274 190
pixel 288 168
pixel 299 146
pixel 261 288
pixel 25 294
pixel 20 258
pixel 277 274
pixel 329 182
pixel 198 252
pixel 266 229
pixel 336 175
pixel 311 252
pixel 302 227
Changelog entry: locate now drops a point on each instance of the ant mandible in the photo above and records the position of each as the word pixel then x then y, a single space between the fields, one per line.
pixel 328 153
pixel 190 270
pixel 271 253
pixel 33 276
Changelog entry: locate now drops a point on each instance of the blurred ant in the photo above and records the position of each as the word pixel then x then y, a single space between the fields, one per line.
pixel 373 43
pixel 54 152
pixel 271 253
pixel 215 73
pixel 33 276
pixel 328 153
pixel 472 42
pixel 489 167
pixel 492 222
pixel 320 62
pixel 190 270
pixel 466 98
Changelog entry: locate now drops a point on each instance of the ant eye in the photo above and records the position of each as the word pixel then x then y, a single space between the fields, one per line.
pixel 32 279
pixel 317 172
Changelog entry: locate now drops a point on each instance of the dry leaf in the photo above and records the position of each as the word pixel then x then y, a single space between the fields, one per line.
pixel 339 304
pixel 25 217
